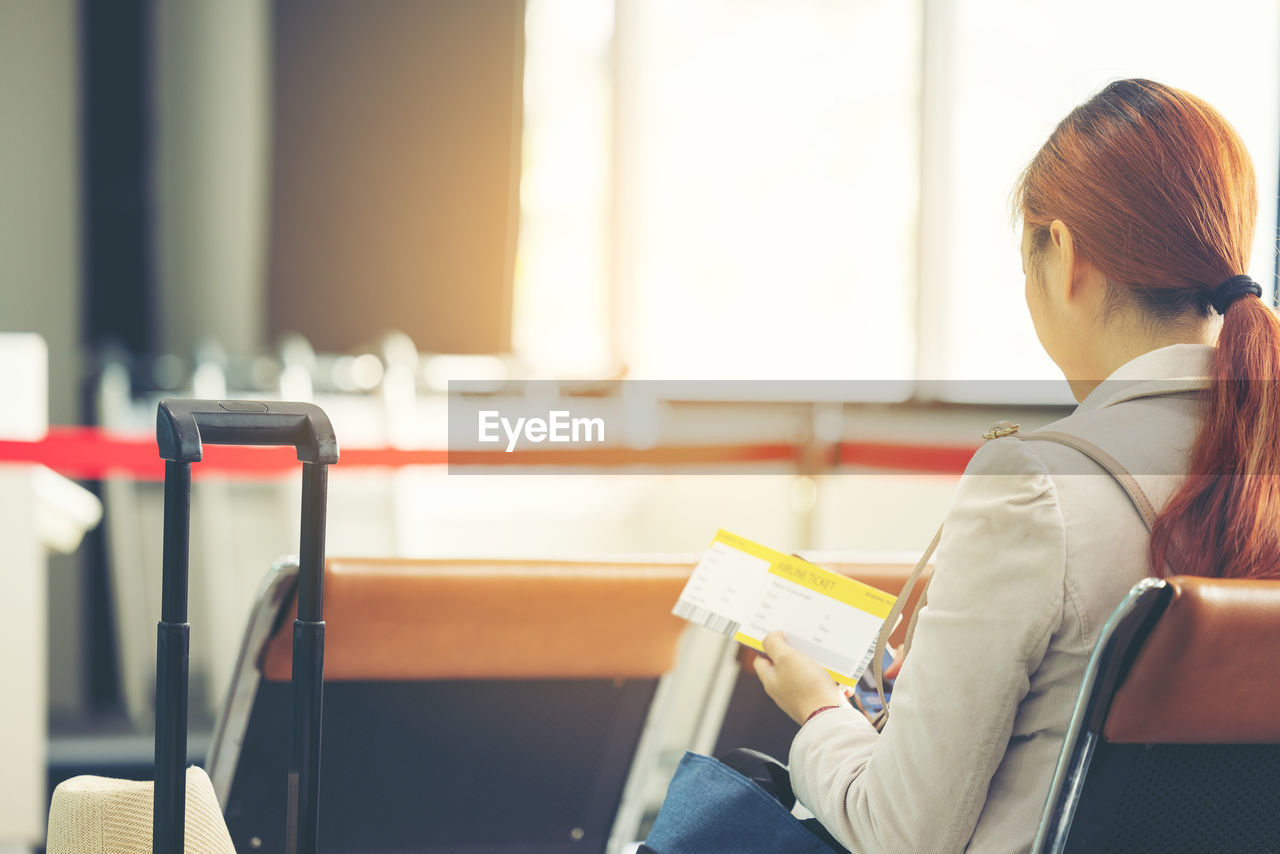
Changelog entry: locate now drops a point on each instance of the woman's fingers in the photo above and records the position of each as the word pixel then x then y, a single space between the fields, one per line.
pixel 797 683
pixel 775 644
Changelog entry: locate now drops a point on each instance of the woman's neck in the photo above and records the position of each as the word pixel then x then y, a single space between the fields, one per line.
pixel 1122 343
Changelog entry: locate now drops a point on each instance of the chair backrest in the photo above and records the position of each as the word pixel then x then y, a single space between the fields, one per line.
pixel 1175 740
pixel 753 720
pixel 470 705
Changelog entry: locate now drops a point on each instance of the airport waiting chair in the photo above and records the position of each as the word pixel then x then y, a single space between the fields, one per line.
pixel 1174 745
pixel 753 720
pixel 479 706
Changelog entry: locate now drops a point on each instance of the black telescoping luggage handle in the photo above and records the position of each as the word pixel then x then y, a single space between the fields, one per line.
pixel 182 426
pixel 182 429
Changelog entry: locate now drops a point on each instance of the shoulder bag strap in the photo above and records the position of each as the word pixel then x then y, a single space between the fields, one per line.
pixel 882 640
pixel 1131 487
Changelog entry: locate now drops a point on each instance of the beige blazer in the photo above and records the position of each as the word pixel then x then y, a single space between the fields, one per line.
pixel 1038 547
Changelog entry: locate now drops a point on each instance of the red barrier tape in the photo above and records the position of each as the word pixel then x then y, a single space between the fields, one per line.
pixel 88 453
pixel 925 459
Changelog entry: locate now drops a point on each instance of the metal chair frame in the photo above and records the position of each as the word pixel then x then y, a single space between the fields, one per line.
pixel 1122 636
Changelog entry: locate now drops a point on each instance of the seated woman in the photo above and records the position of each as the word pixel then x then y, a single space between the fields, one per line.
pixel 1138 218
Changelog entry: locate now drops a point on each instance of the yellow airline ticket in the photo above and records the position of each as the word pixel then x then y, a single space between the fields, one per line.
pixel 745 590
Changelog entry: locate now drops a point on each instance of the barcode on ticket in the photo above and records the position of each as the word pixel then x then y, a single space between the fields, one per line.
pixel 866 661
pixel 705 618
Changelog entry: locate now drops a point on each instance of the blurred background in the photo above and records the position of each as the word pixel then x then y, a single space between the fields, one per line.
pixel 358 202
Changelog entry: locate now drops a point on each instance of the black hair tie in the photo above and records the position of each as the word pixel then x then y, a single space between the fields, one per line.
pixel 1231 290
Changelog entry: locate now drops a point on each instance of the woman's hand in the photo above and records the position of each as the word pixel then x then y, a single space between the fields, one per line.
pixel 797 683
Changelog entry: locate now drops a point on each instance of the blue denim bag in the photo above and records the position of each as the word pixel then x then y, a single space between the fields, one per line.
pixel 712 809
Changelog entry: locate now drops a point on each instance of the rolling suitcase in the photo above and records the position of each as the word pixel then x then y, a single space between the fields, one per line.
pixel 182 428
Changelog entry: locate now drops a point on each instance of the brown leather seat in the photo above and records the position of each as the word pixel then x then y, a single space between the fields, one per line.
pixel 1209 673
pixel 395 619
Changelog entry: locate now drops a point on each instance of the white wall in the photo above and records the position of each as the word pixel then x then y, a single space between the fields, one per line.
pixel 40 248
pixel 39 190
pixel 212 119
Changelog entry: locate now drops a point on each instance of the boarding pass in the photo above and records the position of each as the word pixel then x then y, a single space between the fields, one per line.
pixel 745 590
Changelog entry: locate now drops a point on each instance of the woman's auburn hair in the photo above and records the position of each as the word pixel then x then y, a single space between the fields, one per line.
pixel 1159 193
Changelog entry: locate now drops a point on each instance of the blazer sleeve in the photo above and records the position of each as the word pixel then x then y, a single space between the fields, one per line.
pixel 994 602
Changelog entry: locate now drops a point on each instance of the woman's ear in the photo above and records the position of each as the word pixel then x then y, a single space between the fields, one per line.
pixel 1064 271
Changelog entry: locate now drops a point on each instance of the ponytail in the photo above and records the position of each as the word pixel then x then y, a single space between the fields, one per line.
pixel 1159 190
pixel 1225 520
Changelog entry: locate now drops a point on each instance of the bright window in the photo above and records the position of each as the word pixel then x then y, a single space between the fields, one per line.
pixel 1010 71
pixel 561 323
pixel 811 189
pixel 767 169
